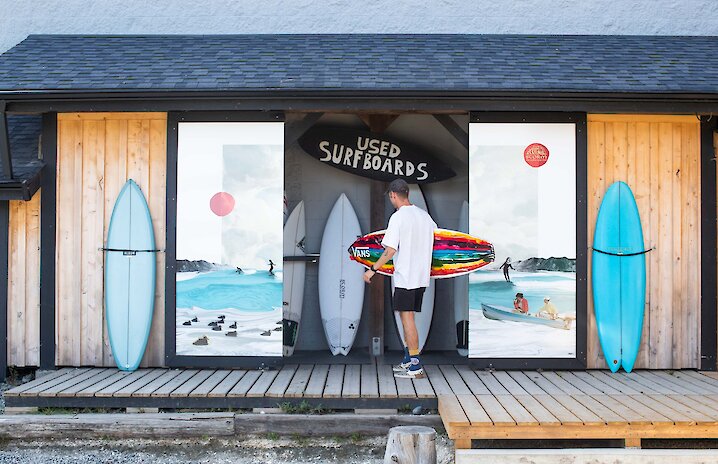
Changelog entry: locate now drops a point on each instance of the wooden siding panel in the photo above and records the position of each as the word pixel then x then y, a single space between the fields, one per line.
pixel 112 148
pixel 659 158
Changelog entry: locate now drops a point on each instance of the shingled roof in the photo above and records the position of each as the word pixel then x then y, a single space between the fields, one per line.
pixel 363 62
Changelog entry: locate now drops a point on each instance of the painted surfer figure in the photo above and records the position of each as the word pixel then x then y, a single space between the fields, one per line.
pixel 409 241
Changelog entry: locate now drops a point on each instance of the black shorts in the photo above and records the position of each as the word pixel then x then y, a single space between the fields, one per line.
pixel 408 299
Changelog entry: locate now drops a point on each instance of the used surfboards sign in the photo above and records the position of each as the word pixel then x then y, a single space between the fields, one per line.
pixel 372 155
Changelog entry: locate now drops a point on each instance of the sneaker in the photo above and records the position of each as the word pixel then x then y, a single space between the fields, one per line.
pixel 402 366
pixel 415 371
pixel 405 363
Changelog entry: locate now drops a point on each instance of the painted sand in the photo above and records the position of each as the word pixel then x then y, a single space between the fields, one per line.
pixel 251 300
pixel 505 339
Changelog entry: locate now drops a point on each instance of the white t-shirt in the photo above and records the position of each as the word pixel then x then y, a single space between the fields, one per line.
pixel 411 234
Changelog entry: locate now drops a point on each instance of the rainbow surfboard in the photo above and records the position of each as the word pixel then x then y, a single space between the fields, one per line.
pixel 455 253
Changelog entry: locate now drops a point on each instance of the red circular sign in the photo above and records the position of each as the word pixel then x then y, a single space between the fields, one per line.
pixel 221 203
pixel 536 155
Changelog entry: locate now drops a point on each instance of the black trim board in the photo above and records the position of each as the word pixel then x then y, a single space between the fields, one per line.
pixel 709 299
pixel 171 358
pixel 579 362
pixel 4 283
pixel 429 101
pixel 48 241
pixel 185 402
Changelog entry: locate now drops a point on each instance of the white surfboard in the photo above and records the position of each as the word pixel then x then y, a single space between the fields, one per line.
pixel 293 280
pixel 423 318
pixel 461 295
pixel 341 287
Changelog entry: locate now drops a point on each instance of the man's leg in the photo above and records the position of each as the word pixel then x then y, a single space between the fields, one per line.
pixel 411 335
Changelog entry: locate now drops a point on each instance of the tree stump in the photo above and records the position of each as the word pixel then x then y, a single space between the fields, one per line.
pixel 411 444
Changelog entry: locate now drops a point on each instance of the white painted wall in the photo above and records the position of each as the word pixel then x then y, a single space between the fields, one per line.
pixel 631 17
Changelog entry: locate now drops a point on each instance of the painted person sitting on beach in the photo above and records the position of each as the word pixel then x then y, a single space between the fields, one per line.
pixel 521 305
pixel 548 310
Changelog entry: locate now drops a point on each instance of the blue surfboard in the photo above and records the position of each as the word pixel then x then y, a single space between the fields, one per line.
pixel 618 274
pixel 129 277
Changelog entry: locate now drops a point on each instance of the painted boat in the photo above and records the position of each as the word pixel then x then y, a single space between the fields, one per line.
pixel 130 263
pixel 502 313
pixel 455 253
pixel 618 274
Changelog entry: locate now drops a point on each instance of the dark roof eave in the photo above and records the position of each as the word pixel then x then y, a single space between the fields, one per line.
pixel 22 188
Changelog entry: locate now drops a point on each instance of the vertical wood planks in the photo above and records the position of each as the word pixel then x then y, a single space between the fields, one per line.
pixel 658 156
pixel 97 153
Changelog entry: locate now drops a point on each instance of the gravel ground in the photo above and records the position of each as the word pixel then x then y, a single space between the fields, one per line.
pixel 249 450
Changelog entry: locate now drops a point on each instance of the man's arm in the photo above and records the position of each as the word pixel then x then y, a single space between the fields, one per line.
pixel 389 252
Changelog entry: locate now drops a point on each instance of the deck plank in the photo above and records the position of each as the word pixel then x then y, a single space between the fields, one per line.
pixel 148 389
pixel 508 382
pixel 191 384
pixel 473 409
pixel 262 384
pixel 646 386
pixel 537 410
pixel 387 384
pixel 615 384
pixel 678 409
pixel 476 386
pixel 317 381
pixel 584 387
pixel 558 410
pixel 42 386
pixel 633 402
pixel 607 415
pixel 247 381
pixel 452 413
pixel 698 380
pixel 674 386
pixel 335 381
pixel 528 385
pixel 423 388
pixel 438 382
pixel 282 380
pixel 165 390
pixel 545 384
pixel 491 383
pixel 405 387
pixel 598 384
pixel 496 411
pixel 369 381
pixel 352 381
pixel 667 379
pixel 129 389
pixel 101 375
pixel 68 383
pixel 224 387
pixel 209 383
pixel 519 413
pixel 561 383
pixel 455 380
pixel 110 390
pixel 587 416
pixel 15 391
pixel 299 381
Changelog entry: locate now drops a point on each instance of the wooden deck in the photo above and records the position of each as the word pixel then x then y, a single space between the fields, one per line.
pixel 472 404
pixel 582 405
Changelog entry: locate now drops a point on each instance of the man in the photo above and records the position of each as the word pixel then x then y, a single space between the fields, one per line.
pixel 548 309
pixel 520 304
pixel 506 266
pixel 409 240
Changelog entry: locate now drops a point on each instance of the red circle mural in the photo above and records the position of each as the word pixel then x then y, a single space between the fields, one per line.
pixel 536 155
pixel 221 203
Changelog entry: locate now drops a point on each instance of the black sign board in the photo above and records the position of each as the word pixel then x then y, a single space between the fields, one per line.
pixel 371 155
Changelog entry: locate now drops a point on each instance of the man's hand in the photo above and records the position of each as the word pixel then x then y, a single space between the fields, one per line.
pixel 368 275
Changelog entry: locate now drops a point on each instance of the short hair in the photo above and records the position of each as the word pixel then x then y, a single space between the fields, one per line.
pixel 400 187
